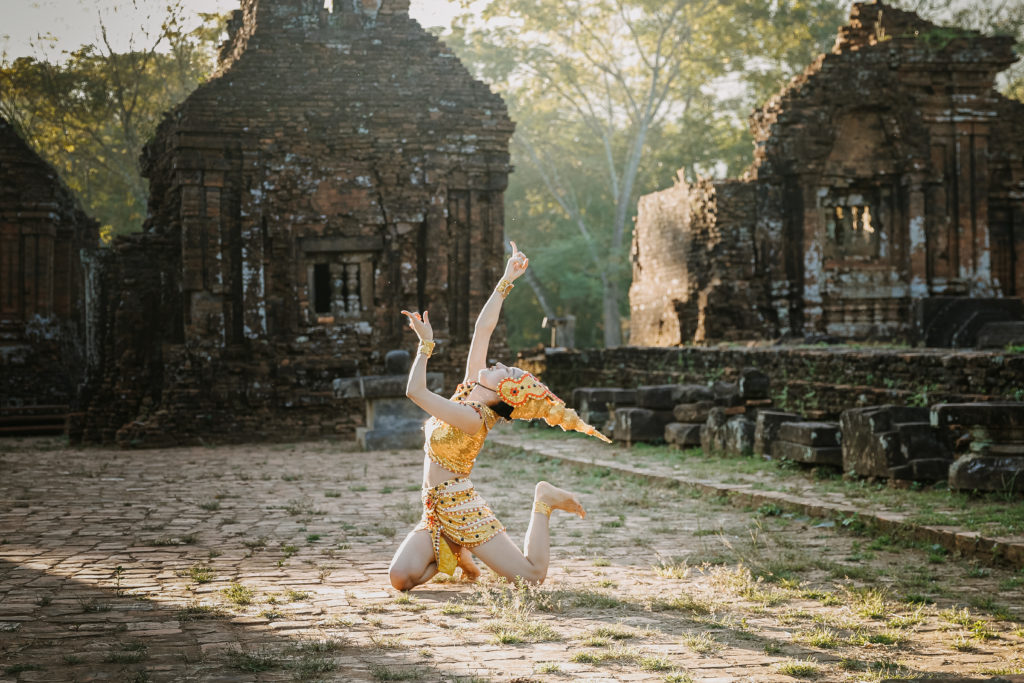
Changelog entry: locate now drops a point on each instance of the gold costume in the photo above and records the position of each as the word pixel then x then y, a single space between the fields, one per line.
pixel 453 511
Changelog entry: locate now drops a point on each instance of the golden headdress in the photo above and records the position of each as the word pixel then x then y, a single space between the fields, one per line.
pixel 530 400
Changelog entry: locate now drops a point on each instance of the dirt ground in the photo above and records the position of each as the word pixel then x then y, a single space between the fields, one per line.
pixel 269 562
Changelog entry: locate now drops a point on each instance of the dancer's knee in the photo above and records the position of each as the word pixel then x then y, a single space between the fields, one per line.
pixel 401 580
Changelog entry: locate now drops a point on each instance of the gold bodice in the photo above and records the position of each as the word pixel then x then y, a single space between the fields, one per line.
pixel 454 449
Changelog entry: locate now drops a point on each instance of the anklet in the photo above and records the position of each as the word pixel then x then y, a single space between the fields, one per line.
pixel 542 508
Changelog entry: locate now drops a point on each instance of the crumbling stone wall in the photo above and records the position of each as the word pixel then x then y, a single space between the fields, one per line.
pixel 341 166
pixel 886 174
pixel 46 244
pixel 818 382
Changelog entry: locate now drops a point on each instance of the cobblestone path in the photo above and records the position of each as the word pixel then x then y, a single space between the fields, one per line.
pixel 268 562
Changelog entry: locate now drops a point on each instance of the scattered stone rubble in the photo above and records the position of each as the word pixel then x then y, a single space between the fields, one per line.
pixel 884 201
pixel 340 166
pixel 47 262
pixel 989 444
pixel 901 444
pixel 894 442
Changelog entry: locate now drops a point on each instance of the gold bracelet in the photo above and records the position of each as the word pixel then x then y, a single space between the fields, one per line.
pixel 426 347
pixel 542 508
pixel 504 287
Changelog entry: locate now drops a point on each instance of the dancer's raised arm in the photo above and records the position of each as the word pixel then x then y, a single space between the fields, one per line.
pixel 488 318
pixel 455 414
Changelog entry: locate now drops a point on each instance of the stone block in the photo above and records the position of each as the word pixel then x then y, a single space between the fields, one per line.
pixel 694 393
pixel 634 425
pixel 754 384
pixel 693 412
pixel 1001 334
pixel 383 439
pixel 379 386
pixel 727 394
pixel 987 473
pixel 816 455
pixel 594 404
pixel 394 414
pixel 873 439
pixel 919 440
pixel 657 396
pixel 922 469
pixel 956 322
pixel 682 434
pixel 712 437
pixel 739 436
pixel 999 415
pixel 811 433
pixel 766 428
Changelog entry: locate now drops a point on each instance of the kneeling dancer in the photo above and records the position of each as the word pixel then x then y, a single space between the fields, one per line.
pixel 455 517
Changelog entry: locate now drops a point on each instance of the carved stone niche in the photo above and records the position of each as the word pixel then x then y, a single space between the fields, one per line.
pixel 339 277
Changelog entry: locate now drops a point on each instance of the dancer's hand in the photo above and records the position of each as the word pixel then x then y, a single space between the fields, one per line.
pixel 420 325
pixel 517 263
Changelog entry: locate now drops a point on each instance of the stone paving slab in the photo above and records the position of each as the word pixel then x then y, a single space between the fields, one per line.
pixel 268 563
pixel 1003 548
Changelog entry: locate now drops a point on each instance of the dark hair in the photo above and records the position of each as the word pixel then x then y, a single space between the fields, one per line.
pixel 503 409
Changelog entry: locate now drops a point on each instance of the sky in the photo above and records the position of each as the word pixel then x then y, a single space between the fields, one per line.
pixel 76 22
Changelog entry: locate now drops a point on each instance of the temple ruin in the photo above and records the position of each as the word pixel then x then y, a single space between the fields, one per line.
pixel 340 166
pixel 47 248
pixel 885 200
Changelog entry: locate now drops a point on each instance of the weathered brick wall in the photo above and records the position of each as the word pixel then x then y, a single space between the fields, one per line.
pixel 339 168
pixel 43 235
pixel 824 381
pixel 887 173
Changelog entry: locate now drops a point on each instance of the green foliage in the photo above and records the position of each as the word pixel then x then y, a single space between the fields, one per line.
pixel 90 110
pixel 610 99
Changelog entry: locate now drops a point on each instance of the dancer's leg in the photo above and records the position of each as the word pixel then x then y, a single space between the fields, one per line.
pixel 530 564
pixel 413 563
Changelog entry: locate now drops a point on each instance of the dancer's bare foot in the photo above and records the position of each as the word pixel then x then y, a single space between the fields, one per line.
pixel 558 499
pixel 470 572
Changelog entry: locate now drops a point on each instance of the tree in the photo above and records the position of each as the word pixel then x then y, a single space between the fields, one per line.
pixel 90 113
pixel 610 97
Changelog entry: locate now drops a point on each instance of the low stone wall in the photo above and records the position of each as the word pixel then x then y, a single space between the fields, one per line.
pixel 814 381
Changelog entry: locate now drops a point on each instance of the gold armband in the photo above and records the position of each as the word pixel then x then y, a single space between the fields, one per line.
pixel 504 287
pixel 426 347
pixel 542 508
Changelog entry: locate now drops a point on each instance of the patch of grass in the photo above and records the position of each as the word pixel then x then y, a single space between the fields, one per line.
pixel 195 611
pixel 89 605
pixel 702 643
pixel 239 594
pixel 256 543
pixel 201 574
pixel 302 507
pixel 453 609
pixel 271 615
pixel 869 603
pixel 672 570
pixel 313 538
pixel 798 669
pixel 260 659
pixel 683 603
pixel 296 596
pixel 613 632
pixel 615 654
pixel 332 494
pixel 388 673
pixel 962 643
pixel 820 637
pixel 385 642
pixel 548 668
pixel 130 653
pixel 210 505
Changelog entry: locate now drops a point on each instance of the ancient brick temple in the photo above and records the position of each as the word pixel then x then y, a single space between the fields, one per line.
pixel 886 199
pixel 46 248
pixel 342 165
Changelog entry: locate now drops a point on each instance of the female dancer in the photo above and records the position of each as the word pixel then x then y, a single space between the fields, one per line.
pixel 455 517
